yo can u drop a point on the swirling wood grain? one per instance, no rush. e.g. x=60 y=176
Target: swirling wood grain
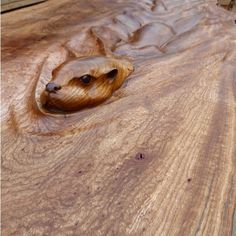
x=83 y=82
x=158 y=157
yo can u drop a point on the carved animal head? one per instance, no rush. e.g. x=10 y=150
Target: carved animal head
x=84 y=82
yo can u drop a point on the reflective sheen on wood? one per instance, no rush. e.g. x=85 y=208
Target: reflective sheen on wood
x=83 y=82
x=88 y=150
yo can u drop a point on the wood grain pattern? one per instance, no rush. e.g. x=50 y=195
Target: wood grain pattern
x=158 y=158
x=227 y=4
x=82 y=83
x=7 y=5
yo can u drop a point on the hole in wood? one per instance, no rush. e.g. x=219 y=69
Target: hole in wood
x=140 y=156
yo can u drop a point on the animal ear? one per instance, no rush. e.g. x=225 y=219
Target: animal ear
x=112 y=74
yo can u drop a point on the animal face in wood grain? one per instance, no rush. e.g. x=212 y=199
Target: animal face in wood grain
x=84 y=82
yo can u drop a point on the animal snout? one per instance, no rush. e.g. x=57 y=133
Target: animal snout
x=52 y=87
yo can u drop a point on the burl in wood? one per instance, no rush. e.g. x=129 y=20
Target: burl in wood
x=89 y=148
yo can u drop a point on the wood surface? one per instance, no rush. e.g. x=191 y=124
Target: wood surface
x=7 y=5
x=227 y=4
x=82 y=83
x=157 y=158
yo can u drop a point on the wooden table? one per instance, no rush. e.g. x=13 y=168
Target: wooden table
x=157 y=158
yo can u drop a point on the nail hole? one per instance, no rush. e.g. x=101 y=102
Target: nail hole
x=139 y=156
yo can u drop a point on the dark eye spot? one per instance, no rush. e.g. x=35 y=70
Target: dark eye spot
x=86 y=79
x=112 y=74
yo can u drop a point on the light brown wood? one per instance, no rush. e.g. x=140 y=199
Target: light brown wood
x=157 y=158
x=8 y=5
x=224 y=2
x=227 y=4
x=82 y=83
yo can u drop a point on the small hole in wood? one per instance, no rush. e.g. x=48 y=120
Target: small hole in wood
x=140 y=156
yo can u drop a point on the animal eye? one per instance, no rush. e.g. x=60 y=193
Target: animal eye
x=85 y=79
x=112 y=74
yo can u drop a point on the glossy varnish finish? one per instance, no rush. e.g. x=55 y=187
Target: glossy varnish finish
x=82 y=83
x=157 y=158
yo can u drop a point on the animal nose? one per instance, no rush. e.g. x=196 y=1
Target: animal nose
x=52 y=87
